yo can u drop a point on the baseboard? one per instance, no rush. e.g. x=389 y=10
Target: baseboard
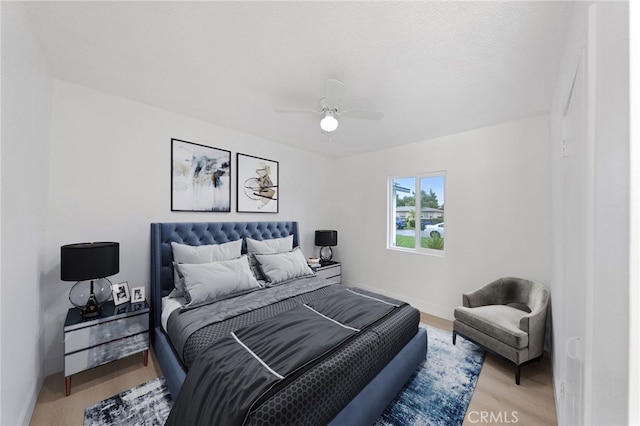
x=421 y=305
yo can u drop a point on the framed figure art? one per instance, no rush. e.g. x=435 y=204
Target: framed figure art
x=257 y=184
x=200 y=178
x=137 y=294
x=120 y=293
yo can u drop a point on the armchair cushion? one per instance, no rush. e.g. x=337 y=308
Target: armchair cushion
x=499 y=321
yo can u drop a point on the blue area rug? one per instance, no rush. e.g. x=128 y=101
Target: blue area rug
x=437 y=394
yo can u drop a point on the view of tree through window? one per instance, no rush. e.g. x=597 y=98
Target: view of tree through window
x=423 y=231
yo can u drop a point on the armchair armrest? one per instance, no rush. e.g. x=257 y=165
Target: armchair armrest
x=534 y=324
x=530 y=319
x=489 y=294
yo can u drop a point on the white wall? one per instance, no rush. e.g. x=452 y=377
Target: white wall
x=110 y=178
x=601 y=31
x=497 y=214
x=26 y=112
x=611 y=267
x=634 y=252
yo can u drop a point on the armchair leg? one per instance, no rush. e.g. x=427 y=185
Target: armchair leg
x=454 y=338
x=518 y=374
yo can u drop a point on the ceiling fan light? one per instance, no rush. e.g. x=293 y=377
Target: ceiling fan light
x=328 y=122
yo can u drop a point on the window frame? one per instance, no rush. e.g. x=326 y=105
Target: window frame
x=392 y=209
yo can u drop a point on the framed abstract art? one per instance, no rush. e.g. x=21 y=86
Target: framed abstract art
x=257 y=184
x=200 y=178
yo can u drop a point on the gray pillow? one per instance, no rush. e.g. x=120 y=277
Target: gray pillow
x=183 y=253
x=206 y=253
x=208 y=282
x=178 y=282
x=274 y=245
x=282 y=267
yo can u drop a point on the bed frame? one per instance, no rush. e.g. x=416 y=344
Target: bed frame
x=365 y=408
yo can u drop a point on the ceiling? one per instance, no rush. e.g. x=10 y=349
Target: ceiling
x=433 y=68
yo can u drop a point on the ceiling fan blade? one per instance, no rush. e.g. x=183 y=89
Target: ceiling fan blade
x=333 y=92
x=363 y=115
x=296 y=111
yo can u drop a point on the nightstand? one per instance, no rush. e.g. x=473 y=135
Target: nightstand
x=117 y=332
x=329 y=271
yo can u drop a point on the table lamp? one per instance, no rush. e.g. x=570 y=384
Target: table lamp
x=326 y=239
x=89 y=264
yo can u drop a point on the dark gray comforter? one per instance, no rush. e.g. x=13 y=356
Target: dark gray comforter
x=190 y=330
x=244 y=369
x=316 y=386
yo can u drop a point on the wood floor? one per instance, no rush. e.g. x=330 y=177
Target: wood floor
x=496 y=400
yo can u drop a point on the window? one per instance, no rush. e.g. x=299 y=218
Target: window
x=408 y=230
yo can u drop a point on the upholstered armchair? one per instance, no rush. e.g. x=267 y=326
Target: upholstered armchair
x=507 y=317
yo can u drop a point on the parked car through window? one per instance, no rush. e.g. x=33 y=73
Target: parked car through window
x=435 y=231
x=417 y=205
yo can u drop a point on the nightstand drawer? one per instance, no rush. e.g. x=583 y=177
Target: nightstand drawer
x=333 y=272
x=102 y=354
x=97 y=334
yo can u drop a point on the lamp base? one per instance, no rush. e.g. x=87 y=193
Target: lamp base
x=89 y=296
x=326 y=254
x=92 y=309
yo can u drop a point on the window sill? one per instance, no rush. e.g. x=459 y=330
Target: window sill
x=428 y=252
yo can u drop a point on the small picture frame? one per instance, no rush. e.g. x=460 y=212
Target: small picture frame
x=120 y=293
x=137 y=294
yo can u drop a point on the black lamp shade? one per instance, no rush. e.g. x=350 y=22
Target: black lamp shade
x=326 y=238
x=87 y=261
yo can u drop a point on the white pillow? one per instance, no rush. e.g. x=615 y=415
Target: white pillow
x=281 y=267
x=208 y=282
x=275 y=245
x=183 y=253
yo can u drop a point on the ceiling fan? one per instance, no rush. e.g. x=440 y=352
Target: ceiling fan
x=330 y=108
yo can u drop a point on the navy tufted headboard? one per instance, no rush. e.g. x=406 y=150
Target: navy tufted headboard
x=195 y=234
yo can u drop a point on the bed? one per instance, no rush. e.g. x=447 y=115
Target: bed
x=301 y=396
